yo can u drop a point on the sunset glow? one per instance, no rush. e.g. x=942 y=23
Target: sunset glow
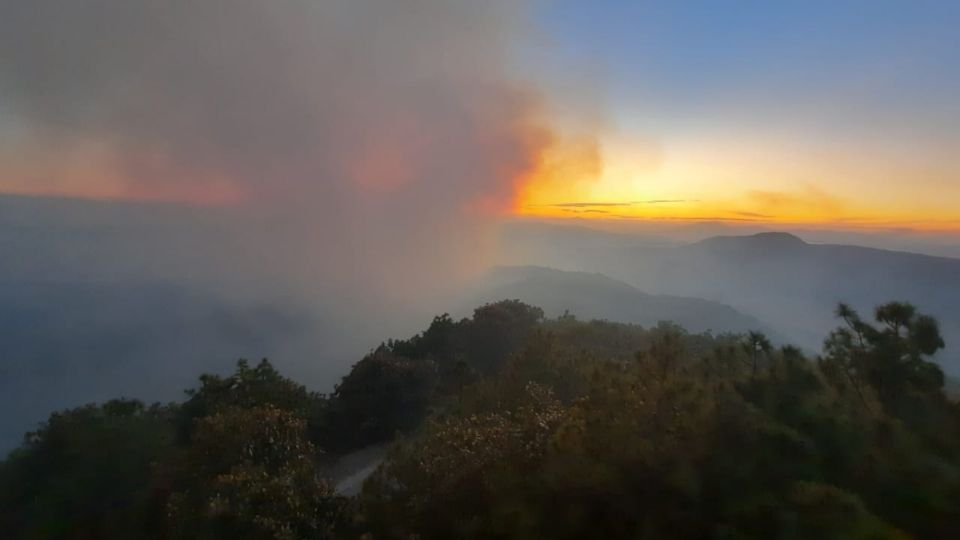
x=749 y=182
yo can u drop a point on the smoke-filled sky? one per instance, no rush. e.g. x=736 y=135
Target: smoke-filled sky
x=315 y=173
x=360 y=130
x=227 y=100
x=380 y=116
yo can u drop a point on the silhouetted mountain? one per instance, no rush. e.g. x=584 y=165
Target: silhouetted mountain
x=758 y=243
x=595 y=296
x=789 y=284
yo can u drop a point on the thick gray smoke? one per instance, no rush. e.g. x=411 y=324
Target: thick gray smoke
x=341 y=160
x=361 y=131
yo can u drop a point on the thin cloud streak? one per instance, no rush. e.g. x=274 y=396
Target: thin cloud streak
x=612 y=204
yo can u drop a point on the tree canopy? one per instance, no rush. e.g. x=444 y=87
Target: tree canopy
x=511 y=425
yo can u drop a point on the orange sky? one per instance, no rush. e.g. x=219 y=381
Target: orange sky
x=753 y=179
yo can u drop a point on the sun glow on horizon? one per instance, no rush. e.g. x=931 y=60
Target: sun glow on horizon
x=745 y=181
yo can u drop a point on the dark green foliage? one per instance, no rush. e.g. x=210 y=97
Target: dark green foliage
x=250 y=473
x=497 y=330
x=692 y=437
x=889 y=358
x=246 y=388
x=87 y=473
x=510 y=426
x=482 y=342
x=390 y=391
x=440 y=340
x=233 y=461
x=757 y=347
x=384 y=394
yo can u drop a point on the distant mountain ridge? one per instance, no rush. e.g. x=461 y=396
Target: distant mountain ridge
x=790 y=284
x=766 y=241
x=795 y=285
x=596 y=296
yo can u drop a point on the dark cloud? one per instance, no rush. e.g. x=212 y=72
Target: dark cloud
x=752 y=214
x=615 y=204
x=588 y=204
x=717 y=219
x=666 y=201
x=587 y=211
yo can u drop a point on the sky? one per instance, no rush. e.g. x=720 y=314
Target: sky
x=838 y=113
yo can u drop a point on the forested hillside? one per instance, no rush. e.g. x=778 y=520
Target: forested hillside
x=512 y=425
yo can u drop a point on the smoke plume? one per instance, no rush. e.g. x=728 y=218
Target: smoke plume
x=365 y=140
